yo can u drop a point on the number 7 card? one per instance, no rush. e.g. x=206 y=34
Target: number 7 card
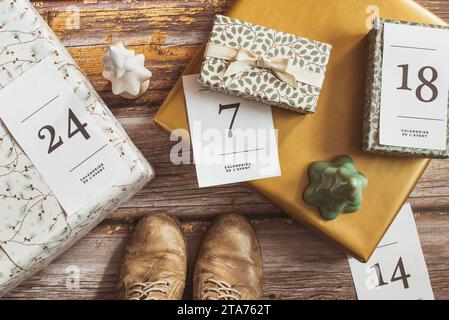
x=233 y=139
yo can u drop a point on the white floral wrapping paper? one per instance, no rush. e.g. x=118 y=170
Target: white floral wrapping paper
x=33 y=227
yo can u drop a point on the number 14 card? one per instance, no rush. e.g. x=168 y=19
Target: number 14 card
x=397 y=269
x=233 y=139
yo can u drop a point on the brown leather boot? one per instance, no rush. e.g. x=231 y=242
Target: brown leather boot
x=229 y=264
x=155 y=262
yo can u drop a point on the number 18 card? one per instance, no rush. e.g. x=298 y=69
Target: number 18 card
x=415 y=85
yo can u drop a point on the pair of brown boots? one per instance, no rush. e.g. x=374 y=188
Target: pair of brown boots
x=228 y=267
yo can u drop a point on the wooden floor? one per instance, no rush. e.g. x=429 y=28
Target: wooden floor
x=298 y=264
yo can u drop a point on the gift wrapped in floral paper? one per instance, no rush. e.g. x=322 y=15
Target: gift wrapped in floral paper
x=265 y=65
x=34 y=227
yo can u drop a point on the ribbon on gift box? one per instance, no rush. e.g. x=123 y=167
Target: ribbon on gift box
x=283 y=68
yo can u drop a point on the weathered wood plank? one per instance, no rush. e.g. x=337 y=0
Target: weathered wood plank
x=297 y=263
x=101 y=22
x=161 y=30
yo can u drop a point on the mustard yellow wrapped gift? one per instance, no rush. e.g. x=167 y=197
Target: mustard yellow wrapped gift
x=336 y=129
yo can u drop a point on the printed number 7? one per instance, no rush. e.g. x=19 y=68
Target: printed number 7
x=235 y=106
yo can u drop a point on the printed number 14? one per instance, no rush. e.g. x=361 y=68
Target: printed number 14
x=399 y=269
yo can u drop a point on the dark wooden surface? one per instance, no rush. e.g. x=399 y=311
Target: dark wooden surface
x=298 y=264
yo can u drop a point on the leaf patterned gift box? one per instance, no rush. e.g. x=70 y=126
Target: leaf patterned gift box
x=268 y=66
x=33 y=227
x=373 y=94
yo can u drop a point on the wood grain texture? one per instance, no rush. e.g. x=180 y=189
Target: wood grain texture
x=298 y=264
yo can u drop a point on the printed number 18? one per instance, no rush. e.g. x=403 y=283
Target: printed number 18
x=424 y=82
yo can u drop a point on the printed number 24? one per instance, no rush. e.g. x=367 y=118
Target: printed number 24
x=80 y=128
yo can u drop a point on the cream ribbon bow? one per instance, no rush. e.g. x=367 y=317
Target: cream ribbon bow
x=282 y=68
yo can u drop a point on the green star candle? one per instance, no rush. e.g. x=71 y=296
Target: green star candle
x=335 y=187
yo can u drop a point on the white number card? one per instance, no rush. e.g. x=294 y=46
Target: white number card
x=415 y=85
x=233 y=139
x=60 y=137
x=397 y=269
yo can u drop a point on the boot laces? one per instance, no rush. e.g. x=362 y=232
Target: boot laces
x=221 y=289
x=144 y=290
